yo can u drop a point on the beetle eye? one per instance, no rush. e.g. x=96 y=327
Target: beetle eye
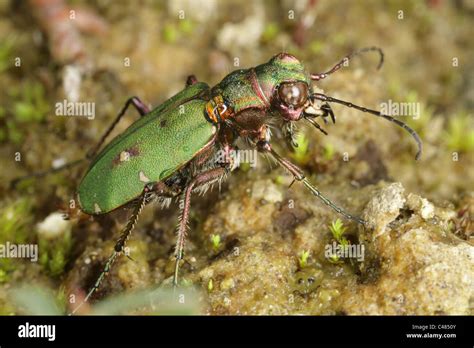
x=293 y=93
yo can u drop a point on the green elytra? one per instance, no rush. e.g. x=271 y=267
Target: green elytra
x=167 y=138
x=151 y=149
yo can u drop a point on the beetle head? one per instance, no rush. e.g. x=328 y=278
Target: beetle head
x=292 y=89
x=295 y=99
x=291 y=98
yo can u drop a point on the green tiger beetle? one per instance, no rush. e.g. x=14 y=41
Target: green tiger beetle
x=170 y=150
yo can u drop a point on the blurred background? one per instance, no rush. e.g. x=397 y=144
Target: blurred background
x=106 y=51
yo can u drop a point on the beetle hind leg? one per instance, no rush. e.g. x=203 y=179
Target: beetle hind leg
x=120 y=244
x=139 y=106
x=37 y=175
x=135 y=101
x=199 y=180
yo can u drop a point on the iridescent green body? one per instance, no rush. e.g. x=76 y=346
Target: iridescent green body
x=150 y=150
x=170 y=136
x=188 y=143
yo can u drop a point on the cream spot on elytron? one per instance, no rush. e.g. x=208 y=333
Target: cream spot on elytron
x=124 y=156
x=143 y=177
x=97 y=208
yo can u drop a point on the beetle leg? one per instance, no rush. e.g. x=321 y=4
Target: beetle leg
x=142 y=110
x=120 y=245
x=299 y=176
x=135 y=101
x=191 y=80
x=163 y=190
x=201 y=179
x=15 y=181
x=316 y=125
x=164 y=193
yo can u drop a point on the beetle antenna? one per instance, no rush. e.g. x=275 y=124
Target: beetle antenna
x=298 y=175
x=415 y=136
x=344 y=62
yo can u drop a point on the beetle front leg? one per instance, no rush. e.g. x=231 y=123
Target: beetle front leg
x=201 y=179
x=298 y=175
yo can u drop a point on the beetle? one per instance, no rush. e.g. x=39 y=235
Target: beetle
x=170 y=151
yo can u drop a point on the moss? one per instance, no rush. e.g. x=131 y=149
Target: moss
x=210 y=285
x=186 y=26
x=279 y=179
x=328 y=151
x=270 y=32
x=174 y=31
x=301 y=153
x=460 y=133
x=15 y=222
x=338 y=229
x=62 y=299
x=28 y=105
x=170 y=34
x=245 y=167
x=3 y=275
x=303 y=258
x=422 y=124
x=54 y=253
x=6 y=56
x=216 y=242
x=316 y=47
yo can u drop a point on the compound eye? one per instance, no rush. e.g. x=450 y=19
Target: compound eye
x=293 y=93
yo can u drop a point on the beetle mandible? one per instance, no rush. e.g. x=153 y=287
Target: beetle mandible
x=170 y=151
